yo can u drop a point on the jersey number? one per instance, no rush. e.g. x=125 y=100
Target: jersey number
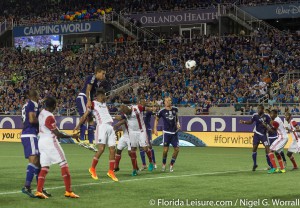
x=24 y=113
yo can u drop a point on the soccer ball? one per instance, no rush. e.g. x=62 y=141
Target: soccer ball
x=190 y=64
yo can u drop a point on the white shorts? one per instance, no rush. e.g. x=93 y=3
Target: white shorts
x=279 y=144
x=138 y=138
x=123 y=143
x=51 y=152
x=105 y=134
x=295 y=146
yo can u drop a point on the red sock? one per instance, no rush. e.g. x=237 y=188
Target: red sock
x=149 y=154
x=133 y=160
x=279 y=158
x=117 y=160
x=67 y=177
x=95 y=162
x=111 y=165
x=293 y=161
x=41 y=179
x=272 y=159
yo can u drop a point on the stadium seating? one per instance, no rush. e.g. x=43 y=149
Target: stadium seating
x=231 y=71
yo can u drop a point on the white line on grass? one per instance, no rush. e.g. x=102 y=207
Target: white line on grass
x=137 y=179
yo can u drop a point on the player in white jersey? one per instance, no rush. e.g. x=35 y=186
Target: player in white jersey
x=278 y=144
x=292 y=128
x=50 y=149
x=122 y=144
x=133 y=116
x=105 y=134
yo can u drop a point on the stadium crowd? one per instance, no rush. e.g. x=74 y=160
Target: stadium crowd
x=230 y=70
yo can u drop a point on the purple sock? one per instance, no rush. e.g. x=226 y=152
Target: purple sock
x=142 y=153
x=254 y=155
x=172 y=161
x=164 y=161
x=153 y=155
x=29 y=174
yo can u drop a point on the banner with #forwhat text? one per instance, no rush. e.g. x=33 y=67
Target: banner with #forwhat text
x=200 y=131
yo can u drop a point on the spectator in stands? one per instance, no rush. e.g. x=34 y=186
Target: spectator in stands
x=295 y=110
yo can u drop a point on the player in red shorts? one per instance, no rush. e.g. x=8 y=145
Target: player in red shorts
x=50 y=149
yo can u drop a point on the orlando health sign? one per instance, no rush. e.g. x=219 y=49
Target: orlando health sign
x=59 y=29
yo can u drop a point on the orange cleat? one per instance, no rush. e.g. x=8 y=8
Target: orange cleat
x=93 y=173
x=71 y=194
x=112 y=175
x=40 y=195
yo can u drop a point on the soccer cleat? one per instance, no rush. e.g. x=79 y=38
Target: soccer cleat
x=294 y=168
x=28 y=191
x=277 y=170
x=171 y=168
x=82 y=144
x=112 y=175
x=71 y=194
x=40 y=195
x=92 y=147
x=155 y=166
x=282 y=171
x=144 y=167
x=150 y=167
x=93 y=173
x=116 y=169
x=46 y=193
x=163 y=168
x=271 y=171
x=134 y=173
x=254 y=167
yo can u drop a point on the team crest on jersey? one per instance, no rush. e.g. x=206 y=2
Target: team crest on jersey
x=170 y=116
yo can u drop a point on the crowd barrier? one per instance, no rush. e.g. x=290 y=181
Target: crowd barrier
x=200 y=131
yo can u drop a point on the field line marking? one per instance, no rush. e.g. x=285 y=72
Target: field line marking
x=136 y=179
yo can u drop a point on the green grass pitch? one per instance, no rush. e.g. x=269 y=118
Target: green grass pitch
x=200 y=174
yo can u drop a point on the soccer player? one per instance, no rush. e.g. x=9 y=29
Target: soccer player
x=122 y=144
x=272 y=136
x=170 y=131
x=278 y=144
x=84 y=100
x=294 y=147
x=50 y=149
x=105 y=134
x=147 y=121
x=260 y=133
x=29 y=139
x=133 y=115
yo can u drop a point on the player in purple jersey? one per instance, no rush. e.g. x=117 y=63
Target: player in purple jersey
x=147 y=121
x=84 y=100
x=260 y=133
x=170 y=131
x=29 y=140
